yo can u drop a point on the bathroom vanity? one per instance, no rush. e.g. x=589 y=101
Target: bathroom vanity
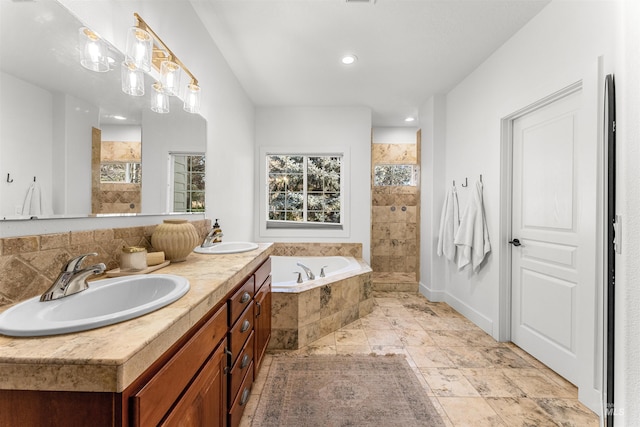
x=191 y=363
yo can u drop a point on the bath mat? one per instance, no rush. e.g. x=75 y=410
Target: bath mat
x=341 y=391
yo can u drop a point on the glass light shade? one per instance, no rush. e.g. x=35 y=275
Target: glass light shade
x=170 y=77
x=132 y=79
x=192 y=98
x=139 y=48
x=93 y=51
x=159 y=99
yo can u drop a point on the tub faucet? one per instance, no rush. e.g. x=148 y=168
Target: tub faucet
x=307 y=270
x=211 y=237
x=72 y=279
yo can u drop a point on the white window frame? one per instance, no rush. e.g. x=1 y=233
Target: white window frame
x=286 y=229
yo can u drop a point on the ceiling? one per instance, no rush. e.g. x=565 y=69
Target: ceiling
x=287 y=52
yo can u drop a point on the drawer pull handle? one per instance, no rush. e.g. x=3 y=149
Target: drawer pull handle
x=229 y=358
x=245 y=396
x=245 y=326
x=259 y=309
x=245 y=297
x=245 y=361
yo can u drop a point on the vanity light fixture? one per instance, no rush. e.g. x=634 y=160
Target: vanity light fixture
x=93 y=51
x=349 y=59
x=163 y=60
x=159 y=99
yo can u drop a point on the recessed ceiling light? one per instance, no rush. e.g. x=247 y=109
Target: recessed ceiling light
x=410 y=119
x=349 y=59
x=119 y=117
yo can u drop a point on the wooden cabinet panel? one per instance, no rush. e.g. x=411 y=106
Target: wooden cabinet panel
x=262 y=273
x=205 y=401
x=240 y=332
x=240 y=300
x=262 y=323
x=153 y=401
x=240 y=368
x=237 y=408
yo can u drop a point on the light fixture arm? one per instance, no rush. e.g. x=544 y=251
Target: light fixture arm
x=140 y=23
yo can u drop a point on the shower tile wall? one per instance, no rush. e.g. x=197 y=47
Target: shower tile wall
x=395 y=249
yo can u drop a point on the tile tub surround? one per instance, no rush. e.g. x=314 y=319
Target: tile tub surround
x=318 y=249
x=30 y=264
x=298 y=318
x=108 y=359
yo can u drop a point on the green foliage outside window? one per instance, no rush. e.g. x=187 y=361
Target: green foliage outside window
x=304 y=188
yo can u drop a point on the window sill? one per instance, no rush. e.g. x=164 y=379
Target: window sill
x=282 y=225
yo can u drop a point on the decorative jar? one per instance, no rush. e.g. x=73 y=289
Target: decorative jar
x=176 y=238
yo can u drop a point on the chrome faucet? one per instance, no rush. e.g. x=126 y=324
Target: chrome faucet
x=211 y=237
x=72 y=279
x=307 y=270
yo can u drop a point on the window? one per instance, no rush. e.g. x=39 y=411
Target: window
x=304 y=189
x=406 y=175
x=188 y=182
x=122 y=173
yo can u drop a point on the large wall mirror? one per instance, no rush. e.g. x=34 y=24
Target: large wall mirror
x=50 y=108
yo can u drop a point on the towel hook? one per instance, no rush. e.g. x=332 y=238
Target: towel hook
x=466 y=184
x=480 y=177
x=9 y=180
x=34 y=179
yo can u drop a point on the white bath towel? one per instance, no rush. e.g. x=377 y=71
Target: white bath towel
x=32 y=205
x=449 y=222
x=472 y=238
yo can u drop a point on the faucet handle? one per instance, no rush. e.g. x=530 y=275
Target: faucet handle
x=299 y=273
x=74 y=264
x=322 y=270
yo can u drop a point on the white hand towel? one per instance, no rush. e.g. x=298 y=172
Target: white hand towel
x=449 y=221
x=32 y=205
x=472 y=238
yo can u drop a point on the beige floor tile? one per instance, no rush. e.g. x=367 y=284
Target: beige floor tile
x=351 y=337
x=536 y=384
x=448 y=382
x=449 y=338
x=520 y=412
x=383 y=337
x=471 y=379
x=470 y=412
x=429 y=357
x=569 y=412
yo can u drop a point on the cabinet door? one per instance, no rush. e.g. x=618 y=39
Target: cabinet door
x=263 y=323
x=205 y=401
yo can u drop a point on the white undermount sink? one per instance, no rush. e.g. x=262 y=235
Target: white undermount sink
x=106 y=302
x=227 y=248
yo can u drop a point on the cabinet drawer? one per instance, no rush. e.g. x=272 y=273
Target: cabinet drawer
x=152 y=402
x=241 y=368
x=240 y=300
x=237 y=408
x=262 y=273
x=240 y=332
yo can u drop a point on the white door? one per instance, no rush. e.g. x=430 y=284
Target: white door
x=555 y=259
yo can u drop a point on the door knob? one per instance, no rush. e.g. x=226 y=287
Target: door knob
x=515 y=242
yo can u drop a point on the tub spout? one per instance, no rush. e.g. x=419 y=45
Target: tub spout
x=307 y=270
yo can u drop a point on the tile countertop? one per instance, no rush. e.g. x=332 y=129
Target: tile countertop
x=108 y=359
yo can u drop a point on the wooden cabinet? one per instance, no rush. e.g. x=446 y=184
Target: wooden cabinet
x=204 y=379
x=204 y=403
x=262 y=324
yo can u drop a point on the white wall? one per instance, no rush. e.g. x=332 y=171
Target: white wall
x=559 y=46
x=627 y=360
x=394 y=135
x=345 y=128
x=20 y=138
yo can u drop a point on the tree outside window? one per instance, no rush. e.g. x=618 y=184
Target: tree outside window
x=304 y=188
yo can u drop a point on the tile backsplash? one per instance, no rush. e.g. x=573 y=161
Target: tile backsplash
x=30 y=264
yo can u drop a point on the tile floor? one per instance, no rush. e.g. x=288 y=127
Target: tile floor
x=472 y=379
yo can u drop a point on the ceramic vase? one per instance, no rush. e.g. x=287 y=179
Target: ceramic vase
x=176 y=238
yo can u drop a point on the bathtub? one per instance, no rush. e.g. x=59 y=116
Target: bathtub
x=284 y=270
x=304 y=312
